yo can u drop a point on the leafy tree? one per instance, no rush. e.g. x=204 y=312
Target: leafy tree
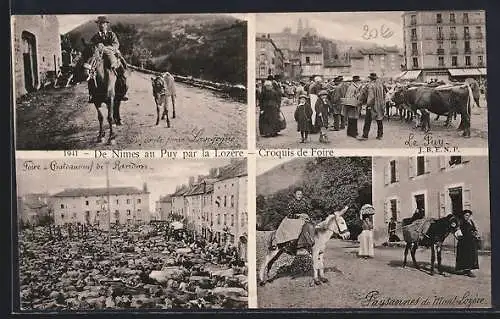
x=329 y=184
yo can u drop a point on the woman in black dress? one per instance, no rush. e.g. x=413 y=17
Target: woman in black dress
x=467 y=246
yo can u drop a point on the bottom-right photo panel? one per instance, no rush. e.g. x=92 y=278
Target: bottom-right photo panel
x=381 y=232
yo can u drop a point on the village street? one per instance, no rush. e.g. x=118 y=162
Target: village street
x=396 y=132
x=357 y=283
x=61 y=119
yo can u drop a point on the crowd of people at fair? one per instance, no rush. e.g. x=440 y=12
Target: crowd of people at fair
x=79 y=267
x=328 y=105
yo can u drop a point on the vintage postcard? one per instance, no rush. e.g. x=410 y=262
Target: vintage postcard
x=397 y=79
x=136 y=81
x=387 y=232
x=144 y=234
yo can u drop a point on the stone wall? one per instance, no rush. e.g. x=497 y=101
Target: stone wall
x=45 y=30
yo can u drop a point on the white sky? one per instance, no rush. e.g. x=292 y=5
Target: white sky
x=162 y=176
x=337 y=25
x=68 y=22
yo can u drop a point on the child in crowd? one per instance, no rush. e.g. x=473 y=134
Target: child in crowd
x=302 y=116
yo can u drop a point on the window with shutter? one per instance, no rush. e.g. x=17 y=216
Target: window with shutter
x=442 y=204
x=397 y=170
x=398 y=210
x=386 y=175
x=427 y=166
x=467 y=198
x=387 y=214
x=411 y=169
x=442 y=162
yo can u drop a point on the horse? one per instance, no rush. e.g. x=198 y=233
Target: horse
x=333 y=224
x=434 y=237
x=163 y=87
x=105 y=85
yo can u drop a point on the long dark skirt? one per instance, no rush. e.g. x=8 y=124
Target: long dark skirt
x=269 y=121
x=467 y=254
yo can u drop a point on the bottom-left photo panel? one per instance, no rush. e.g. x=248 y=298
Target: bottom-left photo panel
x=131 y=234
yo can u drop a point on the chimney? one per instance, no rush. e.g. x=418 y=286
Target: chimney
x=145 y=188
x=212 y=172
x=191 y=181
x=217 y=172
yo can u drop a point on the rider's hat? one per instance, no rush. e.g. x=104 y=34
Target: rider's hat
x=102 y=19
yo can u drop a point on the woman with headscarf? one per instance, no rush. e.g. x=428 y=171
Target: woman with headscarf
x=269 y=100
x=468 y=245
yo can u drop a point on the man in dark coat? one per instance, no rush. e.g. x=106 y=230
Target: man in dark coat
x=109 y=40
x=375 y=104
x=337 y=108
x=467 y=246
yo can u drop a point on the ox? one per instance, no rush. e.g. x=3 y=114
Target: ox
x=442 y=100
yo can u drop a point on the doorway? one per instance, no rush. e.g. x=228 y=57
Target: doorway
x=456 y=198
x=420 y=202
x=30 y=63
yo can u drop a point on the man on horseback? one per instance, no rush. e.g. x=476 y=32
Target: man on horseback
x=109 y=41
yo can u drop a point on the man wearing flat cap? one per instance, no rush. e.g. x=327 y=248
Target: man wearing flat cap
x=109 y=40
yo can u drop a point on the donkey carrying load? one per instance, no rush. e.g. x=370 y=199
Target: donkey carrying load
x=429 y=232
x=333 y=224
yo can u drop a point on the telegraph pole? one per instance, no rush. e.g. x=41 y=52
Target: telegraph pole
x=109 y=207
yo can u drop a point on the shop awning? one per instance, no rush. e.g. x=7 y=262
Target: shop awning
x=411 y=75
x=400 y=74
x=466 y=72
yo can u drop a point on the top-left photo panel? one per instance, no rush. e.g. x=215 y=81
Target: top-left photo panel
x=130 y=81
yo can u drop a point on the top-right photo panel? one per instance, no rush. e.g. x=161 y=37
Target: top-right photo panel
x=394 y=79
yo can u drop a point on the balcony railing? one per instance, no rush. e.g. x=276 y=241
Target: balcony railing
x=479 y=35
x=440 y=51
x=414 y=37
x=414 y=52
x=481 y=64
x=453 y=36
x=479 y=50
x=467 y=50
x=453 y=51
x=440 y=36
x=466 y=36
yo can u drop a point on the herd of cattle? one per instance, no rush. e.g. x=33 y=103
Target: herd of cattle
x=418 y=100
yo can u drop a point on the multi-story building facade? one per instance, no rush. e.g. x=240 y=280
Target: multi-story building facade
x=269 y=58
x=164 y=207
x=445 y=44
x=33 y=208
x=128 y=205
x=386 y=62
x=229 y=202
x=216 y=206
x=178 y=208
x=440 y=185
x=36 y=51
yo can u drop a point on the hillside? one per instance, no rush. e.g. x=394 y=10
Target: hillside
x=207 y=46
x=152 y=23
x=281 y=177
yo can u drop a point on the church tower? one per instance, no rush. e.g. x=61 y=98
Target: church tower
x=300 y=28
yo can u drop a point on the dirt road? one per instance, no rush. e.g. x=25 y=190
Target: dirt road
x=357 y=283
x=61 y=119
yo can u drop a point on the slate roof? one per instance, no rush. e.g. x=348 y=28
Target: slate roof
x=102 y=191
